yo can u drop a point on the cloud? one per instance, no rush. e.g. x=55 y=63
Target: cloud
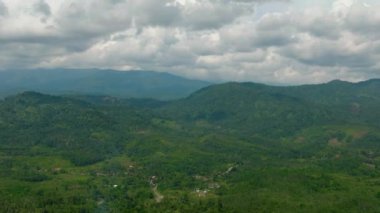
x=3 y=9
x=262 y=1
x=347 y=51
x=207 y=14
x=43 y=8
x=206 y=39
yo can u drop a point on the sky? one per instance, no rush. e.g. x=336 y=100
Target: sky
x=269 y=41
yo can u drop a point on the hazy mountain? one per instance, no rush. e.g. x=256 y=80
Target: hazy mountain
x=137 y=84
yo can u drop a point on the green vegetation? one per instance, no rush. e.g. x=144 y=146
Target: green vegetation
x=226 y=148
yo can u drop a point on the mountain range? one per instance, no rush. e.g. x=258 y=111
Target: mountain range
x=231 y=147
x=123 y=84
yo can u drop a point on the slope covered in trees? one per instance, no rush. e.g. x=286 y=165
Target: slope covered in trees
x=235 y=147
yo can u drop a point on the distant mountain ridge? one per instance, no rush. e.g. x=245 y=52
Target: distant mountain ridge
x=122 y=84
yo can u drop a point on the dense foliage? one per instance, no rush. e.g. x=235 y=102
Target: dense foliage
x=226 y=148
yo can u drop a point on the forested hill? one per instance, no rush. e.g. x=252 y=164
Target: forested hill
x=234 y=147
x=251 y=107
x=137 y=84
x=334 y=92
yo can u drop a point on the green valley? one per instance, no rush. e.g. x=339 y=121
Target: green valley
x=233 y=147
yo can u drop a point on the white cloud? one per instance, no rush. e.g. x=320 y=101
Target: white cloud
x=208 y=39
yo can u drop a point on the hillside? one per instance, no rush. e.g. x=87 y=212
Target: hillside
x=73 y=129
x=234 y=147
x=131 y=84
x=249 y=108
x=279 y=111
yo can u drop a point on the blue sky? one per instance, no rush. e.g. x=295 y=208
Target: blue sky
x=281 y=42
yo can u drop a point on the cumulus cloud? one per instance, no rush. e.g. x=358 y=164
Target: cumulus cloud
x=206 y=39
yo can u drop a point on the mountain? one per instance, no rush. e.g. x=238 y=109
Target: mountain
x=274 y=111
x=131 y=84
x=233 y=147
x=337 y=92
x=248 y=108
x=74 y=129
